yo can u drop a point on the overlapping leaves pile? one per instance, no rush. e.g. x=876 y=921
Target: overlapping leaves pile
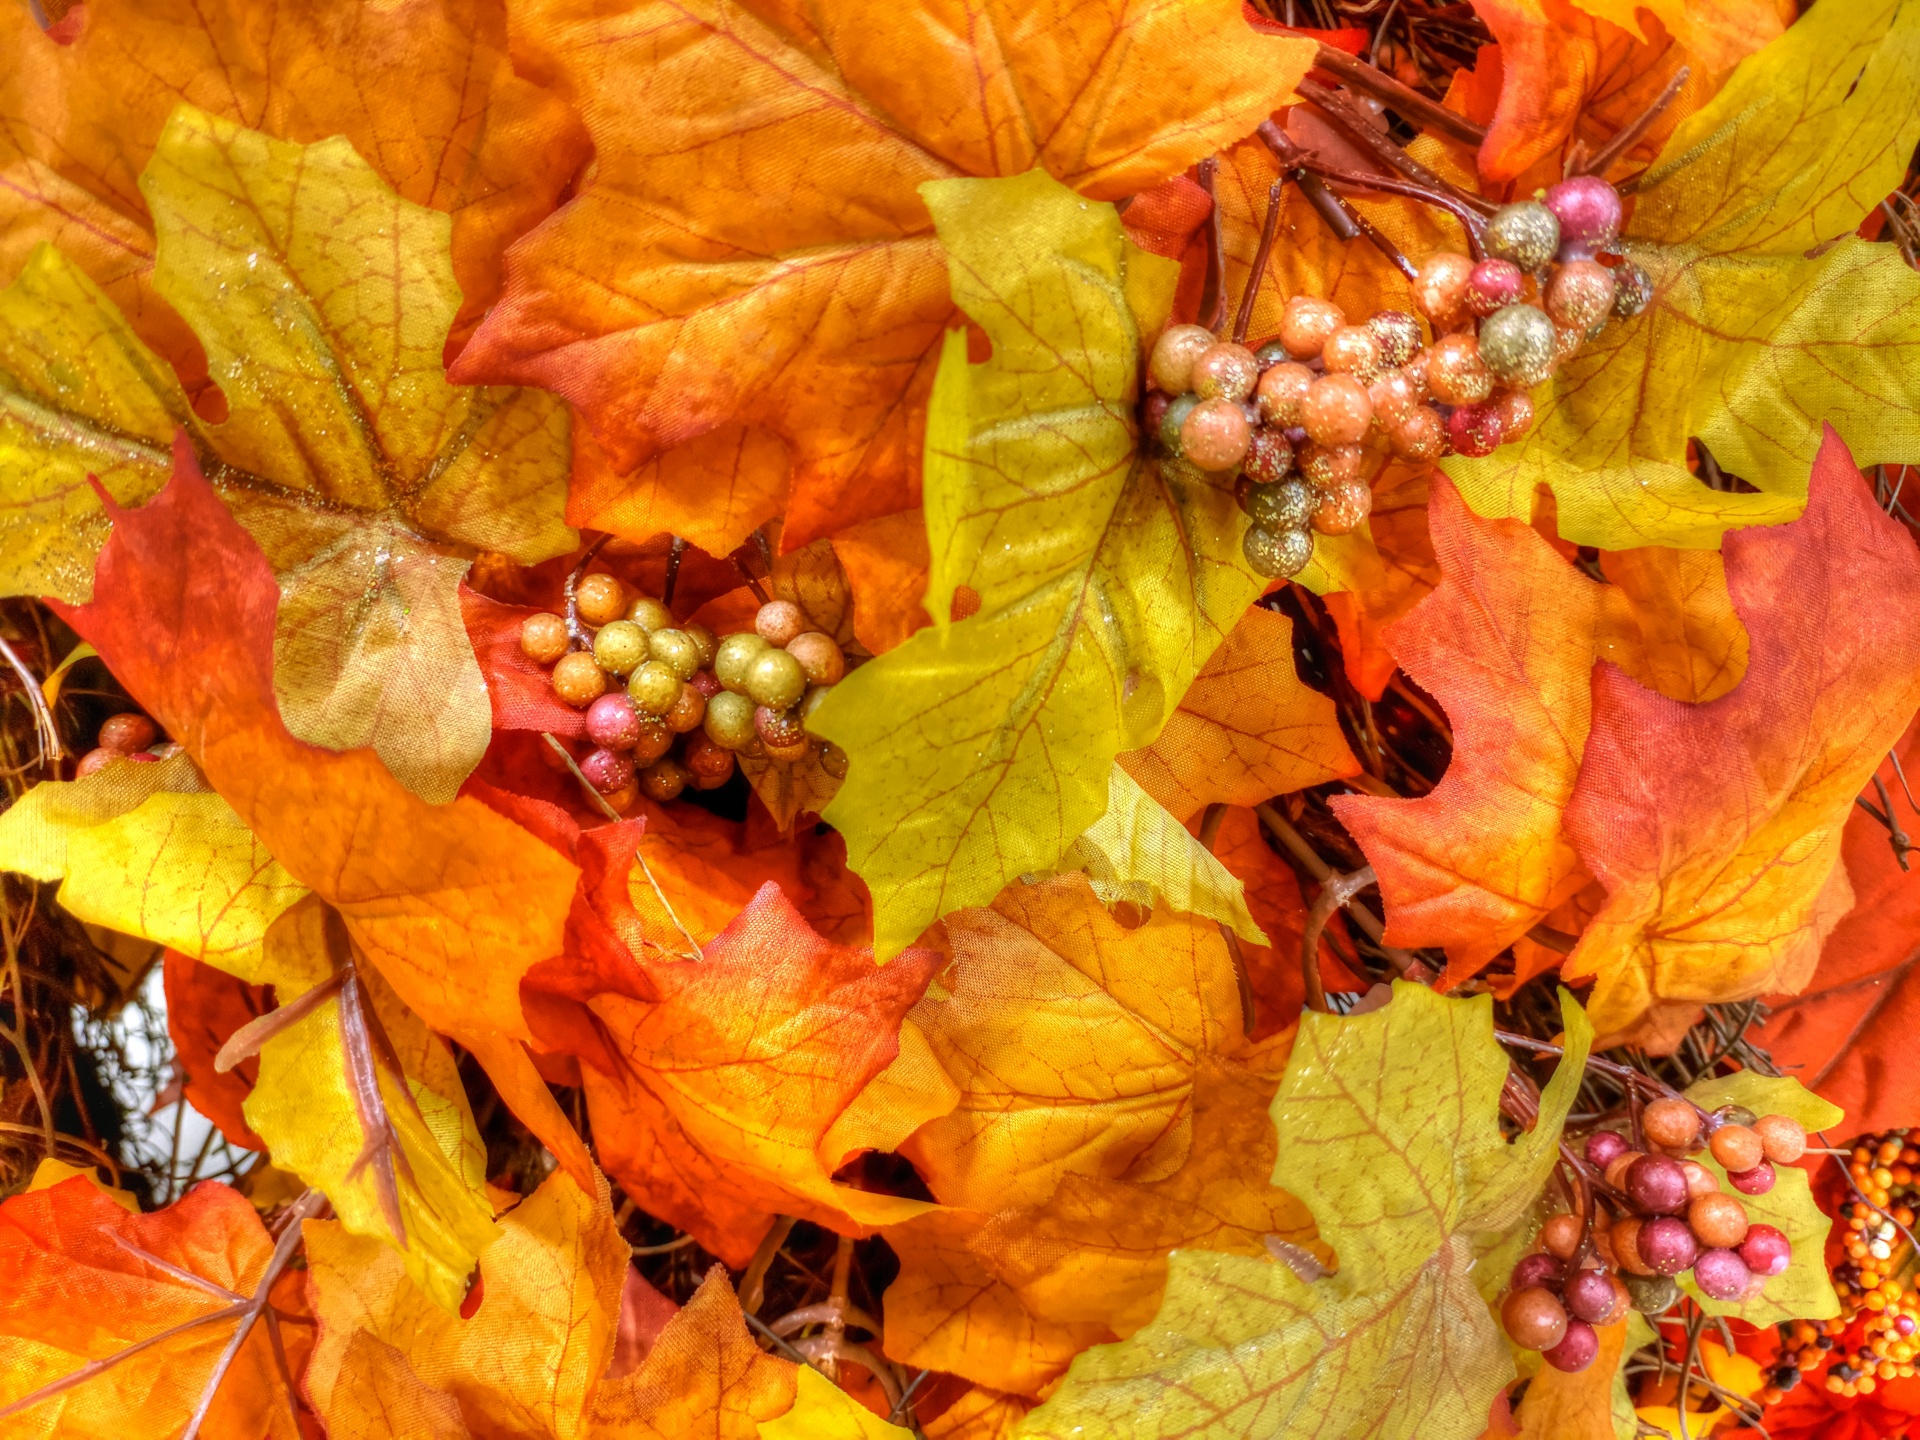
x=323 y=336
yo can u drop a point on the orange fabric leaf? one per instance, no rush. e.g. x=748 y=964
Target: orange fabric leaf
x=730 y=1082
x=205 y=1006
x=753 y=220
x=980 y=1414
x=422 y=88
x=73 y=1288
x=1716 y=828
x=1407 y=573
x=1247 y=728
x=887 y=563
x=456 y=912
x=713 y=491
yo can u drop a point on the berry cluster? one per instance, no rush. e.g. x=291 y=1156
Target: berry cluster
x=1876 y=1336
x=129 y=736
x=670 y=705
x=1292 y=416
x=1668 y=1216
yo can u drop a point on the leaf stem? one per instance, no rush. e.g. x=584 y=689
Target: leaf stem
x=577 y=634
x=1602 y=159
x=1258 y=272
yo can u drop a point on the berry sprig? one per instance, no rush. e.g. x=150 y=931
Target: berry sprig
x=1655 y=1214
x=1292 y=417
x=127 y=736
x=671 y=705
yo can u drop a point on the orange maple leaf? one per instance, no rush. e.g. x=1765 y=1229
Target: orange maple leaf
x=751 y=249
x=454 y=903
x=422 y=88
x=135 y=1314
x=205 y=1006
x=1716 y=828
x=728 y=1084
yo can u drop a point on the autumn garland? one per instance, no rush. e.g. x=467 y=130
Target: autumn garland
x=501 y=927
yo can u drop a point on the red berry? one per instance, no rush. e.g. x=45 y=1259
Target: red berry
x=1575 y=1350
x=127 y=733
x=1591 y=1296
x=1269 y=456
x=1604 y=1147
x=613 y=723
x=1721 y=1275
x=607 y=771
x=1475 y=429
x=1536 y=1271
x=1766 y=1251
x=1757 y=1181
x=1667 y=1245
x=1658 y=1185
x=1493 y=284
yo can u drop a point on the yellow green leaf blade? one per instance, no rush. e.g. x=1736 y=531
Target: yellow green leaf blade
x=823 y=1411
x=1137 y=851
x=323 y=299
x=1767 y=318
x=303 y=1105
x=1804 y=1290
x=1388 y=1128
x=80 y=395
x=979 y=749
x=149 y=850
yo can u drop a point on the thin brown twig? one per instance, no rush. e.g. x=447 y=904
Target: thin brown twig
x=1213 y=286
x=1412 y=105
x=1353 y=124
x=1334 y=893
x=1259 y=268
x=1602 y=159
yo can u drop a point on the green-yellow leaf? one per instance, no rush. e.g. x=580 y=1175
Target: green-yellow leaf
x=980 y=748
x=823 y=1411
x=303 y=1106
x=150 y=850
x=1803 y=1291
x=1768 y=317
x=1138 y=852
x=1388 y=1129
x=323 y=300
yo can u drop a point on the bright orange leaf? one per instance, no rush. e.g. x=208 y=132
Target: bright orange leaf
x=204 y=1007
x=1716 y=828
x=452 y=902
x=751 y=248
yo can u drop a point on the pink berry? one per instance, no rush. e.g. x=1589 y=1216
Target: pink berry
x=1476 y=429
x=1492 y=285
x=1537 y=1269
x=1658 y=1185
x=1906 y=1325
x=1591 y=1297
x=1604 y=1146
x=1766 y=1251
x=608 y=771
x=1588 y=209
x=1721 y=1275
x=1576 y=1351
x=1667 y=1245
x=613 y=723
x=1757 y=1181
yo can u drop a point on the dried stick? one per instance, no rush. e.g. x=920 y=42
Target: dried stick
x=1602 y=159
x=1213 y=288
x=753 y=1282
x=1411 y=104
x=1337 y=891
x=1255 y=275
x=1349 y=120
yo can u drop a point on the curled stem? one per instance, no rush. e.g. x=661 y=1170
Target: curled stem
x=577 y=635
x=1334 y=893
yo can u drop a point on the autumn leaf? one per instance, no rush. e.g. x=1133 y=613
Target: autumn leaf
x=751 y=247
x=732 y=1079
x=1138 y=853
x=183 y=615
x=1716 y=828
x=526 y=1363
x=423 y=88
x=365 y=1104
x=1073 y=1042
x=886 y=563
x=1507 y=645
x=151 y=850
x=1388 y=1130
x=136 y=1311
x=823 y=1411
x=712 y=491
x=1406 y=573
x=1247 y=728
x=1580 y=1405
x=1804 y=1290
x=323 y=301
x=980 y=750
x=980 y=1414
x=1767 y=317
x=205 y=1007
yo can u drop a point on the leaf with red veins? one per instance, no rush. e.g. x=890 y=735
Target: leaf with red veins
x=454 y=903
x=750 y=247
x=732 y=1079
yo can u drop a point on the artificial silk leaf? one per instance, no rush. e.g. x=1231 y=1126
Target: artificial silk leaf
x=423 y=88
x=1138 y=853
x=1847 y=1035
x=704 y=1379
x=1388 y=1130
x=753 y=221
x=1804 y=1290
x=1074 y=1044
x=82 y=1280
x=980 y=750
x=1096 y=1251
x=205 y=1007
x=731 y=1080
x=1406 y=573
x=388 y=1401
x=948 y=1310
x=1578 y=1406
x=333 y=1112
x=1716 y=828
x=886 y=562
x=454 y=917
x=712 y=491
x=980 y=1414
x=1247 y=728
x=823 y=1411
x=150 y=850
x=1767 y=318
x=527 y=1362
x=1737 y=1374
